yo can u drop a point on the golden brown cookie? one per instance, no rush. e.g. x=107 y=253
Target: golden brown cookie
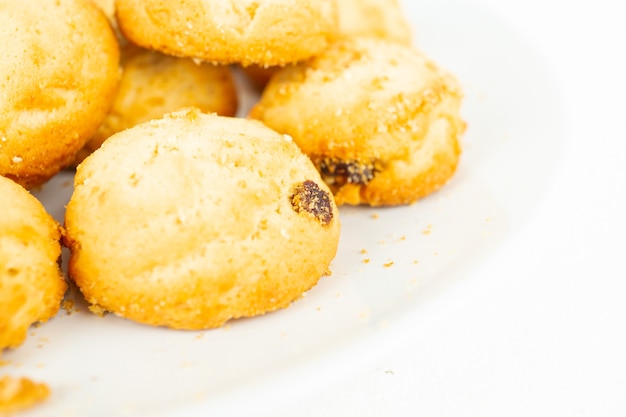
x=380 y=120
x=19 y=394
x=382 y=19
x=31 y=282
x=58 y=75
x=194 y=219
x=263 y=32
x=153 y=84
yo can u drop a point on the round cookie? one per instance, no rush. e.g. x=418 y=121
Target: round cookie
x=385 y=125
x=153 y=84
x=194 y=219
x=58 y=77
x=31 y=281
x=262 y=32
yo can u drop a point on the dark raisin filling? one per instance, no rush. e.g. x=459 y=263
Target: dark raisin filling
x=308 y=197
x=340 y=172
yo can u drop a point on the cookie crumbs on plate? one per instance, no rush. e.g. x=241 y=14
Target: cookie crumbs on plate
x=18 y=394
x=375 y=216
x=366 y=260
x=363 y=251
x=388 y=264
x=97 y=310
x=328 y=272
x=427 y=230
x=68 y=306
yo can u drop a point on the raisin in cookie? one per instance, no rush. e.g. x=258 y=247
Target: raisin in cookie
x=58 y=75
x=380 y=120
x=263 y=32
x=31 y=283
x=153 y=84
x=194 y=219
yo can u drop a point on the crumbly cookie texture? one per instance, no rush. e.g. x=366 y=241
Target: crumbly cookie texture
x=31 y=282
x=263 y=32
x=380 y=120
x=20 y=394
x=383 y=19
x=194 y=219
x=153 y=84
x=58 y=77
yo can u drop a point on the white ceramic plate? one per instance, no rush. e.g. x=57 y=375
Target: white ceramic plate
x=390 y=261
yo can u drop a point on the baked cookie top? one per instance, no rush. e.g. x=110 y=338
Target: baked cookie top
x=366 y=107
x=58 y=76
x=194 y=219
x=262 y=32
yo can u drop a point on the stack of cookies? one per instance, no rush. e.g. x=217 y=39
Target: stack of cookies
x=184 y=215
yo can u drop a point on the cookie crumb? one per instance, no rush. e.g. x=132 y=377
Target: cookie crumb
x=68 y=306
x=97 y=310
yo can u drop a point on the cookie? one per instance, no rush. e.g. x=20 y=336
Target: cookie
x=194 y=219
x=20 y=394
x=382 y=19
x=58 y=77
x=380 y=120
x=31 y=282
x=153 y=84
x=262 y=32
